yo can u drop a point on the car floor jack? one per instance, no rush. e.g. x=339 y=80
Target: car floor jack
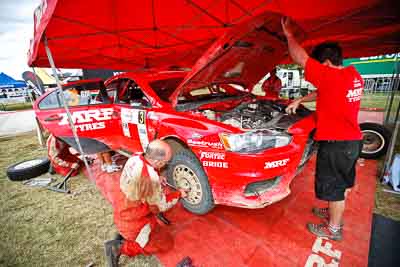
x=62 y=187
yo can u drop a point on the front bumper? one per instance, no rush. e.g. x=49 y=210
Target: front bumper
x=253 y=181
x=259 y=199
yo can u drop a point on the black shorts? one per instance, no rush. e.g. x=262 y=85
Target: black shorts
x=336 y=168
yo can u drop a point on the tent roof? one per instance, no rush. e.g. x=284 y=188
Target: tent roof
x=7 y=81
x=129 y=35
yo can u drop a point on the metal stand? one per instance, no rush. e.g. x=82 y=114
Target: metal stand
x=62 y=187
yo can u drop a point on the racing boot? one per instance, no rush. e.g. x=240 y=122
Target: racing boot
x=112 y=250
x=185 y=262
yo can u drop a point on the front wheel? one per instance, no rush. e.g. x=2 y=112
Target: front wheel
x=185 y=171
x=376 y=140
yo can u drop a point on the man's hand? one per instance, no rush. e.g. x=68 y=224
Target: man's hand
x=163 y=180
x=296 y=52
x=291 y=109
x=183 y=192
x=287 y=27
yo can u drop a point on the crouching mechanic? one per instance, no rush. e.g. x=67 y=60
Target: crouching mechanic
x=338 y=96
x=62 y=160
x=141 y=199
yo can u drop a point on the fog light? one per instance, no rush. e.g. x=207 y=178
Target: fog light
x=260 y=187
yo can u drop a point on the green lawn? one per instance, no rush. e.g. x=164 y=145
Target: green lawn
x=44 y=228
x=15 y=106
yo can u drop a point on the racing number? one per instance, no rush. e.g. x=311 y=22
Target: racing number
x=141 y=119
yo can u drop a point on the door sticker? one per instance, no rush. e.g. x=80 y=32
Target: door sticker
x=135 y=118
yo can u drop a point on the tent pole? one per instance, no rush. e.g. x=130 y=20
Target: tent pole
x=71 y=124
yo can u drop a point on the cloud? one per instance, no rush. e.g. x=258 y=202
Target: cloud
x=16 y=29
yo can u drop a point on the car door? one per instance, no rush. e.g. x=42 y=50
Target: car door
x=132 y=106
x=91 y=113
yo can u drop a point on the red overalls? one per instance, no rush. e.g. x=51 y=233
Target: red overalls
x=136 y=221
x=61 y=158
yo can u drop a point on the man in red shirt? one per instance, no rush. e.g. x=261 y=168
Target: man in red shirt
x=338 y=96
x=272 y=86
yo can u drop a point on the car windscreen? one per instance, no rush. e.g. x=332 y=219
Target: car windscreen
x=164 y=88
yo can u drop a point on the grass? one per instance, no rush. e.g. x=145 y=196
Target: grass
x=16 y=106
x=44 y=228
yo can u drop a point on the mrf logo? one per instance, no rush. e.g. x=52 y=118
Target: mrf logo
x=87 y=120
x=354 y=95
x=275 y=164
x=322 y=251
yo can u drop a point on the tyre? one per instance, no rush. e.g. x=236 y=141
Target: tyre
x=376 y=140
x=185 y=171
x=28 y=169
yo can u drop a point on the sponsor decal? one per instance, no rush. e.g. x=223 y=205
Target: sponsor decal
x=216 y=164
x=321 y=250
x=125 y=129
x=196 y=136
x=213 y=156
x=354 y=95
x=88 y=120
x=276 y=163
x=198 y=143
x=90 y=126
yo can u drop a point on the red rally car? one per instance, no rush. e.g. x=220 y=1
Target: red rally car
x=230 y=146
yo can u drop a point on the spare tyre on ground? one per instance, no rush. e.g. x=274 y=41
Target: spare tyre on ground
x=376 y=140
x=28 y=169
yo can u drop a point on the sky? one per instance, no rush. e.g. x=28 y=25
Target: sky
x=16 y=29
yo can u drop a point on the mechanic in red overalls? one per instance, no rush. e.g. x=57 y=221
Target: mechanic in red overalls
x=338 y=96
x=273 y=85
x=141 y=199
x=61 y=158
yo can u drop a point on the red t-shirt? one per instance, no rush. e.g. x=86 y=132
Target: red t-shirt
x=339 y=94
x=272 y=86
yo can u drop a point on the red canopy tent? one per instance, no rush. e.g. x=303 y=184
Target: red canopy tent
x=127 y=35
x=130 y=35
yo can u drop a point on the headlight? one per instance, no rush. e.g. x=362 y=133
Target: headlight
x=254 y=141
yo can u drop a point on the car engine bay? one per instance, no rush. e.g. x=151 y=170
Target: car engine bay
x=258 y=114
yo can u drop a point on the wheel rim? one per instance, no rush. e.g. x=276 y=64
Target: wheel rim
x=187 y=179
x=28 y=164
x=373 y=142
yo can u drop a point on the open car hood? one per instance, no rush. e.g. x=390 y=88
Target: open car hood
x=241 y=56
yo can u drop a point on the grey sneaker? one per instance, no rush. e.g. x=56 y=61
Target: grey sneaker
x=322 y=230
x=112 y=250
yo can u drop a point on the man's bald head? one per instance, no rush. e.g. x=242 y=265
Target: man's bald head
x=158 y=152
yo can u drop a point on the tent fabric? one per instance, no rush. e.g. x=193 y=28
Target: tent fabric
x=7 y=81
x=129 y=35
